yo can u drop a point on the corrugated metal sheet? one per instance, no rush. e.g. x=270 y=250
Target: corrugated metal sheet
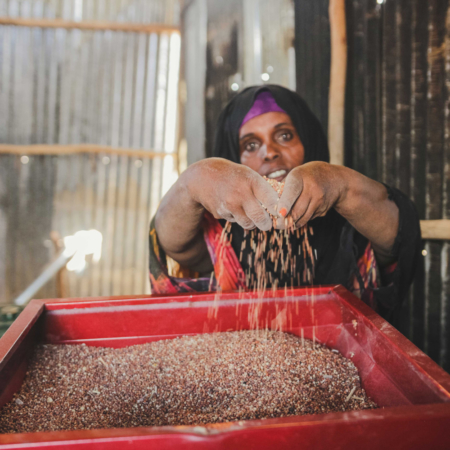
x=398 y=132
x=112 y=88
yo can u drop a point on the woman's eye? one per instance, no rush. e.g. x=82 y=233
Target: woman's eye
x=285 y=136
x=251 y=146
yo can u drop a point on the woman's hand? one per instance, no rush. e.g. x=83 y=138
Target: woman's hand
x=310 y=191
x=227 y=190
x=232 y=192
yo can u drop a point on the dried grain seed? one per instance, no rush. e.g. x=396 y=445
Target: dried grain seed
x=192 y=380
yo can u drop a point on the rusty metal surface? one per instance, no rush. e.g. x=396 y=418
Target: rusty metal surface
x=397 y=131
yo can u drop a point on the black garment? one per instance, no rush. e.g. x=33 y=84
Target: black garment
x=339 y=247
x=337 y=243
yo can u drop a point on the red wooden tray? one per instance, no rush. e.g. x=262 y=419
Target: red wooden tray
x=414 y=391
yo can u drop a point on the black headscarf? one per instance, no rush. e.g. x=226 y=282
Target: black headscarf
x=310 y=132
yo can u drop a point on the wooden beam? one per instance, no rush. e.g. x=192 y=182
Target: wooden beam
x=435 y=229
x=44 y=149
x=338 y=73
x=93 y=25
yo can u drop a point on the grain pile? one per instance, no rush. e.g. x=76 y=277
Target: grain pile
x=201 y=379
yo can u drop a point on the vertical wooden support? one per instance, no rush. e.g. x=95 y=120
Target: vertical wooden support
x=336 y=105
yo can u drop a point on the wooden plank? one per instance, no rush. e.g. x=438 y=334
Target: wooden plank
x=91 y=25
x=66 y=149
x=338 y=71
x=435 y=229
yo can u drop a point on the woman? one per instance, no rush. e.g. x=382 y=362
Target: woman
x=365 y=235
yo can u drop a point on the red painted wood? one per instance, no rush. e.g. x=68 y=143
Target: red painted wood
x=415 y=391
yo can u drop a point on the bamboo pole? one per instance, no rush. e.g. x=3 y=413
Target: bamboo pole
x=435 y=229
x=44 y=149
x=93 y=25
x=338 y=72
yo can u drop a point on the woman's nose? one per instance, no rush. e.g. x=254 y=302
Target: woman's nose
x=270 y=152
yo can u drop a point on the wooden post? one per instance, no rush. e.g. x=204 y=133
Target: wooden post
x=336 y=104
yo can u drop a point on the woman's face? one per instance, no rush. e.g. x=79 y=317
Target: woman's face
x=269 y=144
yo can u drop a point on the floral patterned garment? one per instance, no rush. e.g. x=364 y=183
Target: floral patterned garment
x=167 y=276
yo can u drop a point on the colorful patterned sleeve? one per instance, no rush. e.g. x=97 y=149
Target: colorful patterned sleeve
x=369 y=277
x=167 y=276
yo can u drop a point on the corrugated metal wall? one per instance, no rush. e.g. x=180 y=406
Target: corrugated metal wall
x=111 y=88
x=399 y=132
x=397 y=125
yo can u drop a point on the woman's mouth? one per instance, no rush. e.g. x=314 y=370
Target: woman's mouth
x=277 y=175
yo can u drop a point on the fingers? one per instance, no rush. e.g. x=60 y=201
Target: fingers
x=258 y=215
x=244 y=221
x=265 y=194
x=237 y=214
x=307 y=215
x=293 y=187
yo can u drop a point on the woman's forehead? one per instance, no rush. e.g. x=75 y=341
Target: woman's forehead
x=264 y=122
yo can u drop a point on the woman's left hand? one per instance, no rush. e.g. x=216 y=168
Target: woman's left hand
x=310 y=190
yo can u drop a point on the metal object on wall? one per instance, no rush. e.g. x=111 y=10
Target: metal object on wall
x=110 y=88
x=249 y=42
x=312 y=54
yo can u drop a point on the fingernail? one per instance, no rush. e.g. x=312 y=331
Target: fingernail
x=283 y=212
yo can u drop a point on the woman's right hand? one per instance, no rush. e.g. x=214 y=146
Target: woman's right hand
x=232 y=192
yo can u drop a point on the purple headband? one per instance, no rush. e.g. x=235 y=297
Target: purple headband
x=264 y=103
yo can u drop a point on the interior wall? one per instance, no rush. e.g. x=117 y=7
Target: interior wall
x=71 y=86
x=397 y=127
x=249 y=42
x=398 y=131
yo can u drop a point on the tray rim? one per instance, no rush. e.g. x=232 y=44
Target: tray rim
x=36 y=308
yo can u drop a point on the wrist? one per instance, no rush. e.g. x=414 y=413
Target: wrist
x=342 y=182
x=188 y=185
